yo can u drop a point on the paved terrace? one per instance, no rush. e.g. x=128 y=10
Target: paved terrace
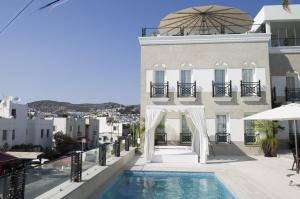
x=247 y=177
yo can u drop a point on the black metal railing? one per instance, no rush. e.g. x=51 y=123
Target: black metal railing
x=186 y=89
x=222 y=89
x=161 y=139
x=250 y=137
x=250 y=89
x=197 y=30
x=159 y=90
x=289 y=41
x=186 y=138
x=223 y=137
x=292 y=94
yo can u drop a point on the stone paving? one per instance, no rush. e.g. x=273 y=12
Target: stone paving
x=254 y=177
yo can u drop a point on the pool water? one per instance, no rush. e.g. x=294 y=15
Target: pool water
x=166 y=185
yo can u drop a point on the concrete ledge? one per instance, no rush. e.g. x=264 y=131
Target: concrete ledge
x=93 y=179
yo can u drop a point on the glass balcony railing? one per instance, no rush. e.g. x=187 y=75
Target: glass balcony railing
x=42 y=178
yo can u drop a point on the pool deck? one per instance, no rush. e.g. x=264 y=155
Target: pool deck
x=246 y=177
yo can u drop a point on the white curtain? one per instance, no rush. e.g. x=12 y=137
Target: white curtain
x=153 y=117
x=200 y=140
x=196 y=122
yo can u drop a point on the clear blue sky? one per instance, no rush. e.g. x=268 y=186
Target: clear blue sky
x=83 y=50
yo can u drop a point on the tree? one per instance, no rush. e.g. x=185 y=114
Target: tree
x=267 y=131
x=64 y=143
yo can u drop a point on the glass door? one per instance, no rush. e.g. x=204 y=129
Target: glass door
x=186 y=78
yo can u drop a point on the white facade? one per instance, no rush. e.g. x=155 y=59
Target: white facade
x=109 y=130
x=79 y=129
x=16 y=128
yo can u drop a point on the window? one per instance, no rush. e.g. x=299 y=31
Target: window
x=48 y=133
x=13 y=135
x=186 y=76
x=14 y=113
x=220 y=76
x=221 y=124
x=249 y=137
x=71 y=129
x=115 y=128
x=184 y=125
x=291 y=82
x=159 y=77
x=54 y=128
x=78 y=128
x=4 y=135
x=247 y=75
x=42 y=133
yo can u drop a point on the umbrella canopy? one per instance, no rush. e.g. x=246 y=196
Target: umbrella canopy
x=286 y=112
x=206 y=20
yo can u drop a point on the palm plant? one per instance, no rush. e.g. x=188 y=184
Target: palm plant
x=267 y=131
x=285 y=4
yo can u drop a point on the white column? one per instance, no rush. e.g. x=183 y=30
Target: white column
x=268 y=30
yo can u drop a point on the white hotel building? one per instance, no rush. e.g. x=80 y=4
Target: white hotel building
x=16 y=128
x=228 y=74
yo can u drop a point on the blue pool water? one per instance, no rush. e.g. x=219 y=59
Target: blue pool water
x=166 y=185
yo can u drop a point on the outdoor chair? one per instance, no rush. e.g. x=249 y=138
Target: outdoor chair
x=296 y=159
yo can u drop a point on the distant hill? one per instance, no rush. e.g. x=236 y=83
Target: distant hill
x=63 y=107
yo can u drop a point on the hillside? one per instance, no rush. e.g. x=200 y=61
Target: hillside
x=59 y=107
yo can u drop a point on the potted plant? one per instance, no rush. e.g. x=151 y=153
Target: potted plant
x=268 y=141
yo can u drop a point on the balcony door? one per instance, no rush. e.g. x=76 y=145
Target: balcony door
x=248 y=75
x=221 y=124
x=159 y=80
x=186 y=79
x=219 y=82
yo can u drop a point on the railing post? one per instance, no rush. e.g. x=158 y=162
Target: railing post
x=286 y=94
x=151 y=94
x=17 y=184
x=76 y=167
x=213 y=89
x=117 y=148
x=195 y=89
x=167 y=89
x=127 y=143
x=242 y=93
x=143 y=32
x=230 y=88
x=177 y=89
x=259 y=89
x=102 y=154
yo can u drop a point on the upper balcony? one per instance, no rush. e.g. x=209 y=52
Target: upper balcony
x=250 y=91
x=186 y=90
x=204 y=20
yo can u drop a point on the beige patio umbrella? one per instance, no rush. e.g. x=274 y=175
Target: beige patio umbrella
x=206 y=20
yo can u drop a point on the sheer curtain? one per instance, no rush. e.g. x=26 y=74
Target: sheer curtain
x=153 y=117
x=247 y=75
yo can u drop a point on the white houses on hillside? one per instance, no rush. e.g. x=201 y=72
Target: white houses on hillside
x=16 y=128
x=81 y=129
x=109 y=130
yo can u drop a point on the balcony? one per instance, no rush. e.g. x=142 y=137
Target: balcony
x=223 y=137
x=186 y=91
x=222 y=91
x=161 y=139
x=159 y=91
x=289 y=41
x=250 y=91
x=292 y=94
x=250 y=138
x=185 y=138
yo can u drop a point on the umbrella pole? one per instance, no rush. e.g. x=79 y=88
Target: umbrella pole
x=296 y=146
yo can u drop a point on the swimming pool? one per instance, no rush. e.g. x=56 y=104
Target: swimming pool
x=167 y=185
